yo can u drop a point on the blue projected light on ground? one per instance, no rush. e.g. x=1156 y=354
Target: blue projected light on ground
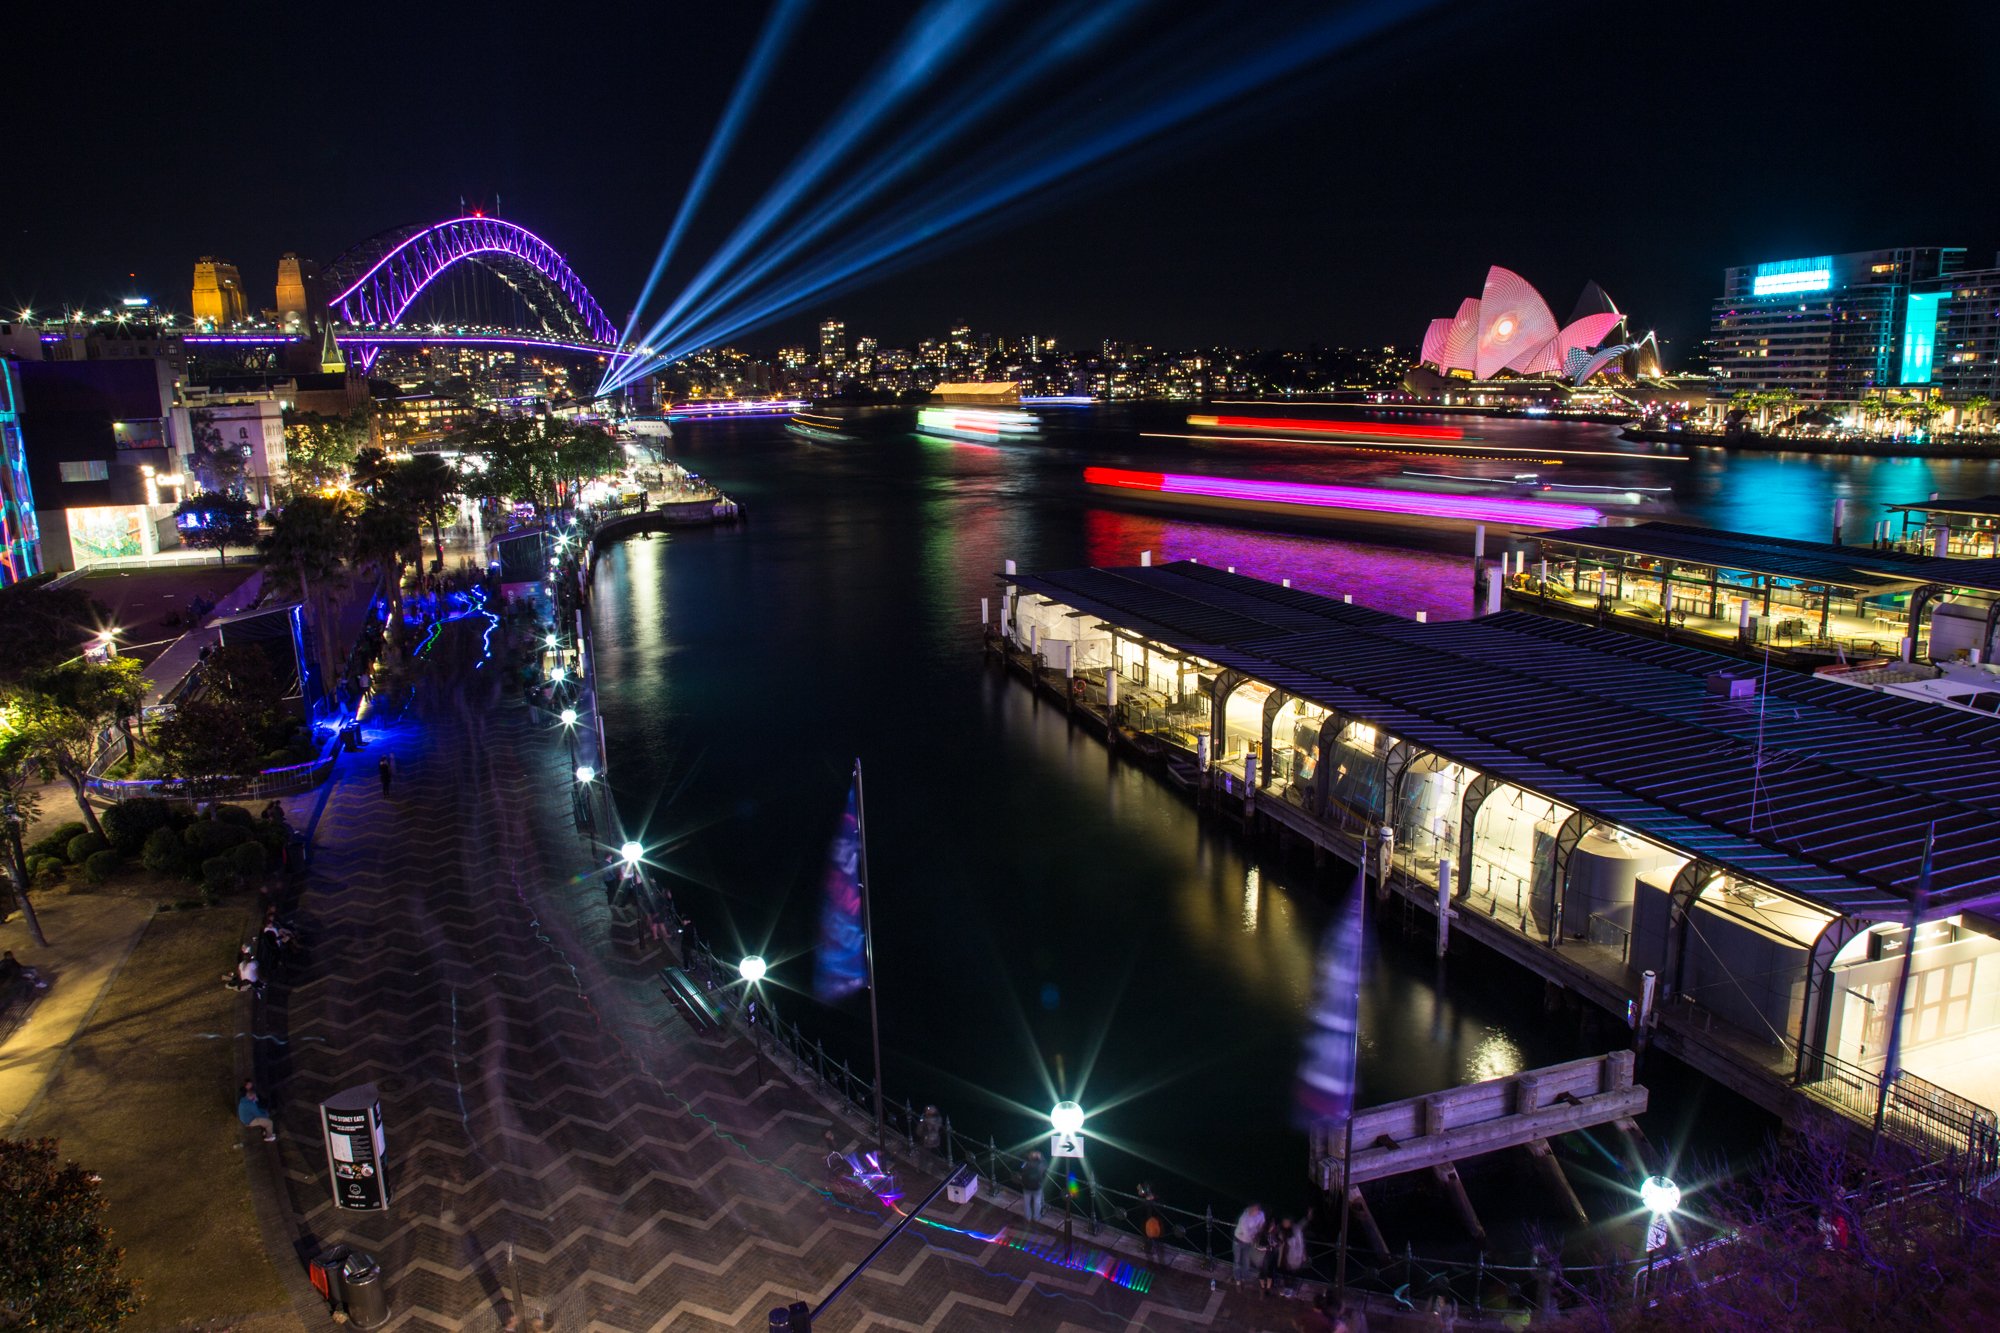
x=1920 y=325
x=1791 y=277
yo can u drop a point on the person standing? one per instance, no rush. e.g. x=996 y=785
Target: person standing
x=1249 y=1236
x=1033 y=1173
x=1292 y=1252
x=1152 y=1225
x=386 y=770
x=1270 y=1246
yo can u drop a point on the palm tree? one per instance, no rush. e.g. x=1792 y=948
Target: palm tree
x=383 y=532
x=311 y=539
x=1975 y=408
x=429 y=488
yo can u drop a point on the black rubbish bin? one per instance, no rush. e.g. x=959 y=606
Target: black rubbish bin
x=326 y=1278
x=350 y=735
x=367 y=1301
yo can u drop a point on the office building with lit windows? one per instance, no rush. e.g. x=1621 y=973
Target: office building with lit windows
x=832 y=343
x=1830 y=327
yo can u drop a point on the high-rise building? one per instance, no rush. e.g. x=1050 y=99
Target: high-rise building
x=299 y=301
x=864 y=355
x=1827 y=327
x=20 y=535
x=832 y=342
x=218 y=293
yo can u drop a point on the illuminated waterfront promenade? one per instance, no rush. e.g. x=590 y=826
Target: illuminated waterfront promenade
x=1734 y=860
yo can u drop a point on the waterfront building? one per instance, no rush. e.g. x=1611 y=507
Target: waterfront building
x=20 y=532
x=217 y=300
x=1951 y=339
x=98 y=449
x=832 y=344
x=1828 y=328
x=1738 y=861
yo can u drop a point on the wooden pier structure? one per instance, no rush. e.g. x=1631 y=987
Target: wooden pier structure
x=1437 y=1131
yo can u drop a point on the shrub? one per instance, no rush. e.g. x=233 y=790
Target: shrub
x=83 y=846
x=249 y=859
x=129 y=823
x=100 y=867
x=56 y=842
x=218 y=876
x=236 y=814
x=210 y=837
x=164 y=853
x=45 y=870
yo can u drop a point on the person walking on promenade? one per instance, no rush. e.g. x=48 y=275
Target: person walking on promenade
x=1270 y=1247
x=1152 y=1225
x=1033 y=1173
x=250 y=1109
x=1291 y=1252
x=386 y=769
x=1249 y=1236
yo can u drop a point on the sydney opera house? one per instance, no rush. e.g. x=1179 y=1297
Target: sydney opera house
x=1508 y=328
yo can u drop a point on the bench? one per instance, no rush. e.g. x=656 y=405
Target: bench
x=702 y=1013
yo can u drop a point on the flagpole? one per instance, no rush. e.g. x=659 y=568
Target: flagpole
x=868 y=945
x=1354 y=1090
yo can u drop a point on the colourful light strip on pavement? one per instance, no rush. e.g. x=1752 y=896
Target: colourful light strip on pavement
x=1366 y=499
x=1395 y=430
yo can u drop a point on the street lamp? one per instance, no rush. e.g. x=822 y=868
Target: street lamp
x=1066 y=1118
x=1660 y=1195
x=569 y=717
x=585 y=773
x=752 y=970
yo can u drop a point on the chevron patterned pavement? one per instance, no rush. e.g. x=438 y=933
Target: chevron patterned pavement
x=553 y=1127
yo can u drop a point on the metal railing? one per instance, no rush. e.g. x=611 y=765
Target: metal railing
x=1915 y=1112
x=271 y=782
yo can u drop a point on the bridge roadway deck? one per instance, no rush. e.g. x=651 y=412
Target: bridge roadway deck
x=542 y=1100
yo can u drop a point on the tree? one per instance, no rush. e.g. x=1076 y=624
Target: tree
x=19 y=804
x=58 y=1267
x=45 y=625
x=429 y=488
x=1976 y=407
x=208 y=736
x=61 y=712
x=310 y=539
x=383 y=532
x=371 y=468
x=215 y=522
x=219 y=467
x=319 y=449
x=242 y=674
x=536 y=459
x=584 y=453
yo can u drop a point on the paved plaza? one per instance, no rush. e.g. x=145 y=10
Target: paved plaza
x=556 y=1133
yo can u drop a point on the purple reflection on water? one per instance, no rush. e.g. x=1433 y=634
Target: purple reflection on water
x=1383 y=577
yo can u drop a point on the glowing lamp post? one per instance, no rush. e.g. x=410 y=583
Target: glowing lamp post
x=585 y=774
x=1661 y=1197
x=752 y=971
x=1066 y=1119
x=568 y=718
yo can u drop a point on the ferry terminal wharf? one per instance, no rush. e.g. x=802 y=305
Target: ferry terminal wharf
x=1730 y=859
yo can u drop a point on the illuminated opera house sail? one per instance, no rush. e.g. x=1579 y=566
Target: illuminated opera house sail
x=1508 y=327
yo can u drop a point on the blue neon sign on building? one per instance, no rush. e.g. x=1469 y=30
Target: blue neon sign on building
x=1792 y=277
x=20 y=537
x=1920 y=322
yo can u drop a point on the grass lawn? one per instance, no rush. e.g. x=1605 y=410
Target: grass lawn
x=147 y=1100
x=140 y=599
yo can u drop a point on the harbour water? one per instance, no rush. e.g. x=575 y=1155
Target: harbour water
x=1049 y=921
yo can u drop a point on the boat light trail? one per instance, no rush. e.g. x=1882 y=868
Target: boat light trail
x=1159 y=89
x=931 y=41
x=1395 y=430
x=1497 y=453
x=1362 y=499
x=777 y=31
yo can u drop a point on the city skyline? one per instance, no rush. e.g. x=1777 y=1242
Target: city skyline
x=1342 y=210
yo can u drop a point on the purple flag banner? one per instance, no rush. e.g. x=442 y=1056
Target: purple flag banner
x=1327 y=1076
x=840 y=966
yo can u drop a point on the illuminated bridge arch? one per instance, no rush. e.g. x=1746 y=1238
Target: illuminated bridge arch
x=377 y=282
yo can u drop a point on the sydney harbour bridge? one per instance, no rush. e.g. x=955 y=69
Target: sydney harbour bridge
x=472 y=281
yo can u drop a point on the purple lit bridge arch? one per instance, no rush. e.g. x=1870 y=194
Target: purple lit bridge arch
x=377 y=282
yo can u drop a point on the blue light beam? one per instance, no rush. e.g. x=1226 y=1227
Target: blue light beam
x=931 y=41
x=1033 y=167
x=777 y=32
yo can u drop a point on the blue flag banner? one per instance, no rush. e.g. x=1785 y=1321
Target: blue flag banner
x=840 y=967
x=1327 y=1076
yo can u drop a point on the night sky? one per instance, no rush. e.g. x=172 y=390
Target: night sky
x=1645 y=146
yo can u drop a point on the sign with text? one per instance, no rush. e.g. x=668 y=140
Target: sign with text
x=355 y=1148
x=1065 y=1145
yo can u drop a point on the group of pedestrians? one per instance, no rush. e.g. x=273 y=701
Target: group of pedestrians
x=1268 y=1249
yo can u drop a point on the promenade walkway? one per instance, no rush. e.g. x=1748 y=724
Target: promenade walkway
x=553 y=1128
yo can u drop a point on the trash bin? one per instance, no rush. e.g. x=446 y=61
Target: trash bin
x=325 y=1274
x=350 y=736
x=367 y=1301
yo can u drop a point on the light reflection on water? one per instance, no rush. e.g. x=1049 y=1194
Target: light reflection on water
x=1041 y=906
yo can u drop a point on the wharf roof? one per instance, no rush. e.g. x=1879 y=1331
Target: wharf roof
x=1985 y=506
x=1822 y=789
x=1858 y=567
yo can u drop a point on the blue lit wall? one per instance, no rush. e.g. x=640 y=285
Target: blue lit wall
x=20 y=538
x=1920 y=323
x=1790 y=277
